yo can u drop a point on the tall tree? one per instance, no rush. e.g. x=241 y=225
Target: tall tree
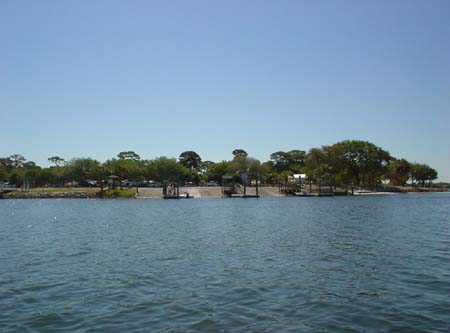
x=215 y=171
x=280 y=160
x=164 y=168
x=30 y=165
x=296 y=158
x=358 y=161
x=239 y=153
x=56 y=160
x=399 y=171
x=3 y=174
x=17 y=160
x=190 y=159
x=128 y=155
x=422 y=173
x=293 y=160
x=318 y=161
x=81 y=168
x=6 y=163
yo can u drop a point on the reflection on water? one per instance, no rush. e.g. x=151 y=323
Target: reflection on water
x=350 y=264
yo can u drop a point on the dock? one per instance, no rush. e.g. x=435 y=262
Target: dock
x=297 y=191
x=186 y=196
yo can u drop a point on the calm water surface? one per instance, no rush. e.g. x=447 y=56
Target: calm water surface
x=350 y=264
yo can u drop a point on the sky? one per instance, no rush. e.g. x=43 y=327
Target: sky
x=94 y=78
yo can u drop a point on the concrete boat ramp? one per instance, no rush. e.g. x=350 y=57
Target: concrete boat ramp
x=205 y=192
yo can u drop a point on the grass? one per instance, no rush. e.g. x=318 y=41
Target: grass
x=65 y=192
x=118 y=193
x=113 y=193
x=65 y=189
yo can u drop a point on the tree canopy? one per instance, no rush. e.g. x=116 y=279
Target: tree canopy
x=190 y=159
x=347 y=162
x=239 y=153
x=128 y=155
x=56 y=160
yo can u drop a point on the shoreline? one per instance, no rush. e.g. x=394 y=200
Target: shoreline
x=156 y=193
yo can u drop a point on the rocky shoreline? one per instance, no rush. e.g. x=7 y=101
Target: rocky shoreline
x=155 y=193
x=49 y=195
x=70 y=194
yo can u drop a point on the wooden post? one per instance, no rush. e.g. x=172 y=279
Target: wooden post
x=318 y=185
x=257 y=181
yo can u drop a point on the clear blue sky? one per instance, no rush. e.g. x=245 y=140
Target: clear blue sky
x=93 y=78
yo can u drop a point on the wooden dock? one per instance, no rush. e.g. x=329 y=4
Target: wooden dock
x=243 y=196
x=178 y=196
x=298 y=191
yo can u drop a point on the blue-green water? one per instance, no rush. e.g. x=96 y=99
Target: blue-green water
x=350 y=264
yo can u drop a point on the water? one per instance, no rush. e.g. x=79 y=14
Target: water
x=350 y=264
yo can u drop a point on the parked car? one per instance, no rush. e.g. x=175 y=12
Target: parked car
x=212 y=183
x=152 y=183
x=88 y=183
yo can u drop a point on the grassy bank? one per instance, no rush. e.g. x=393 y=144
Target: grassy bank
x=118 y=193
x=64 y=189
x=77 y=192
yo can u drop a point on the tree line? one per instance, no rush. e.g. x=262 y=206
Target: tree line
x=346 y=162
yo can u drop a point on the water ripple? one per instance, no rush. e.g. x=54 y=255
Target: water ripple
x=270 y=265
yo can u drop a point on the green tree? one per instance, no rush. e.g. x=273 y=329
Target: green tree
x=190 y=159
x=59 y=175
x=30 y=172
x=239 y=153
x=399 y=171
x=100 y=173
x=358 y=161
x=6 y=163
x=238 y=165
x=280 y=161
x=164 y=168
x=293 y=160
x=422 y=173
x=128 y=155
x=204 y=166
x=17 y=160
x=3 y=174
x=216 y=170
x=44 y=177
x=120 y=168
x=80 y=169
x=56 y=160
x=296 y=159
x=268 y=174
x=317 y=160
x=29 y=165
x=16 y=176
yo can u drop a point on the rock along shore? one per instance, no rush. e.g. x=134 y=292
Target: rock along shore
x=48 y=195
x=156 y=193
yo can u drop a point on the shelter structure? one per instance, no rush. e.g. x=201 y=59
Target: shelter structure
x=171 y=190
x=228 y=186
x=231 y=190
x=113 y=181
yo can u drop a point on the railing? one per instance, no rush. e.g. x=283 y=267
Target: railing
x=7 y=187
